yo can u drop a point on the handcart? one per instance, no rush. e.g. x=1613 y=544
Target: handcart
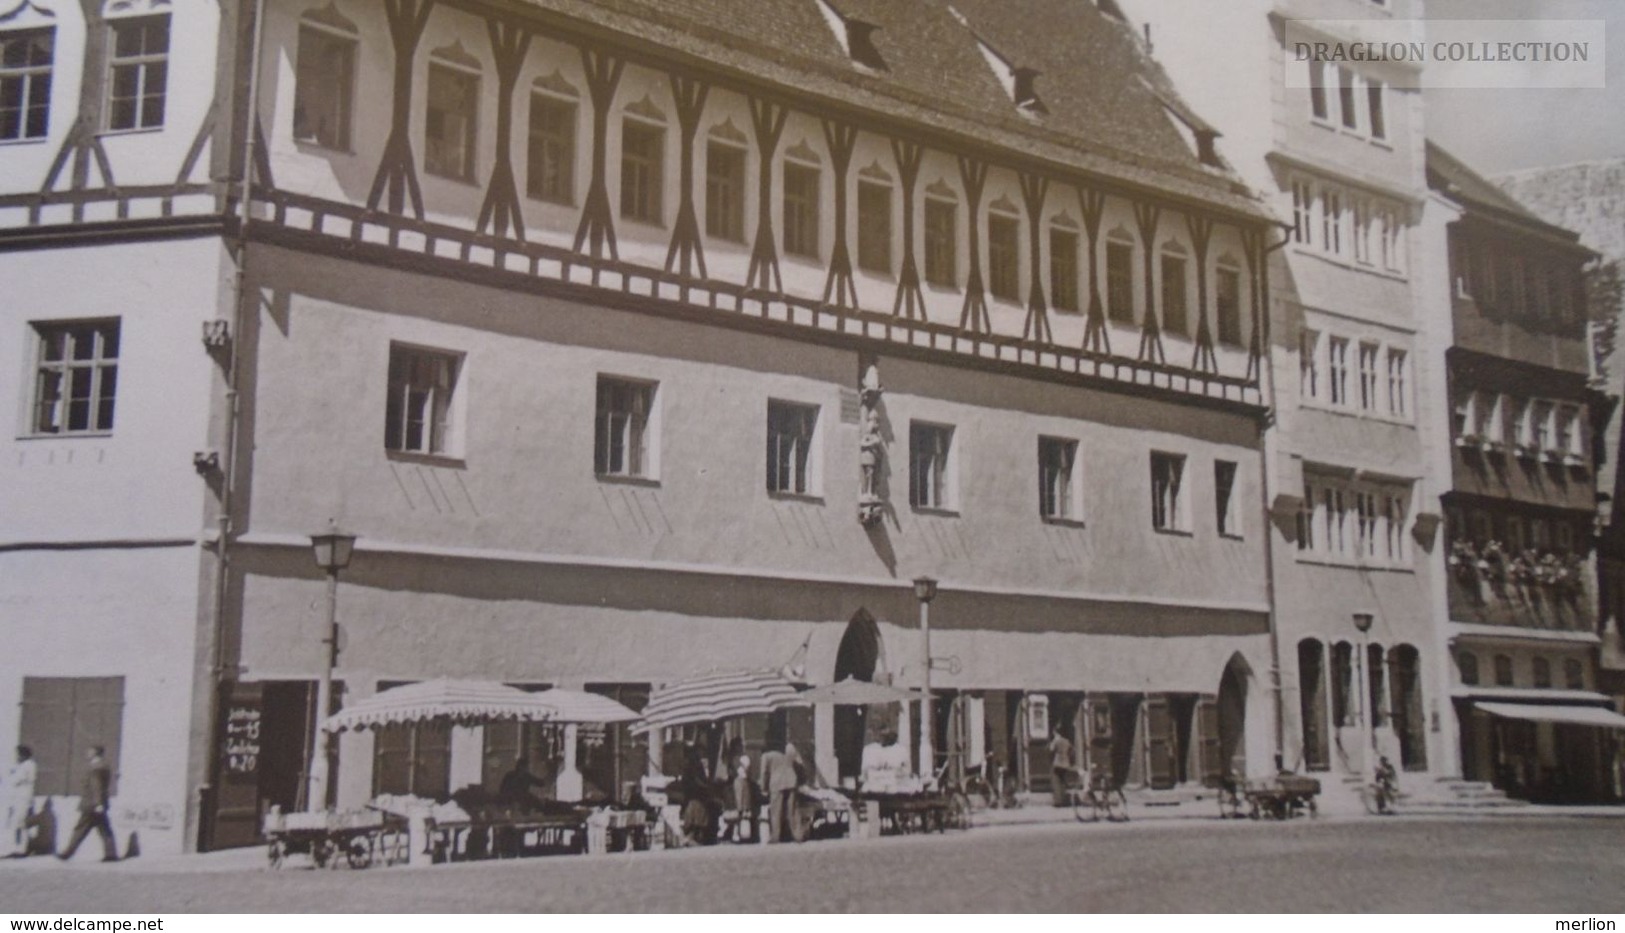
x=359 y=838
x=1282 y=797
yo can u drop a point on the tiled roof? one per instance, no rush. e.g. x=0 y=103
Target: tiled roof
x=1106 y=100
x=1449 y=174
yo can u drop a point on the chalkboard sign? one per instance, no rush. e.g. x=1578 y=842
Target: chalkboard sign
x=240 y=753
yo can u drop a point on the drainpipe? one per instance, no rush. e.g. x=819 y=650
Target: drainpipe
x=1266 y=375
x=228 y=465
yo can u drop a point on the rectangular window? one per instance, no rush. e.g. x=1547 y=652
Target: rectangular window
x=1175 y=304
x=138 y=72
x=76 y=379
x=1379 y=119
x=643 y=171
x=417 y=414
x=1309 y=364
x=26 y=57
x=1224 y=498
x=62 y=719
x=1398 y=403
x=1336 y=534
x=874 y=227
x=725 y=191
x=1337 y=369
x=1306 y=519
x=324 y=86
x=1063 y=269
x=801 y=193
x=1004 y=256
x=1540 y=423
x=1565 y=436
x=1302 y=225
x=1394 y=511
x=412 y=758
x=551 y=160
x=929 y=447
x=1317 y=90
x=1167 y=498
x=1057 y=459
x=1351 y=119
x=1331 y=222
x=1120 y=281
x=1574 y=677
x=790 y=429
x=1362 y=232
x=621 y=427
x=1228 y=305
x=941 y=242
x=1368 y=376
x=449 y=123
x=1365 y=508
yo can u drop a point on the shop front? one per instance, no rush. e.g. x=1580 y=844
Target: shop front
x=1544 y=750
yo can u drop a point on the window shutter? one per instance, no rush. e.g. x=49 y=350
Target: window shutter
x=1098 y=726
x=1210 y=767
x=1160 y=742
x=99 y=716
x=47 y=728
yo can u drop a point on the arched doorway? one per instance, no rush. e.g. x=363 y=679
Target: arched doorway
x=858 y=657
x=1233 y=716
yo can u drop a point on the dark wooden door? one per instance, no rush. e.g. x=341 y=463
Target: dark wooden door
x=240 y=754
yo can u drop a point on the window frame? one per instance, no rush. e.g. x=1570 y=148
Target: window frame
x=1064 y=269
x=1004 y=255
x=803 y=479
x=1227 y=515
x=1337 y=370
x=1230 y=330
x=643 y=170
x=435 y=154
x=1120 y=281
x=725 y=192
x=1058 y=480
x=941 y=247
x=30 y=77
x=932 y=482
x=803 y=227
x=441 y=423
x=101 y=406
x=345 y=96
x=559 y=186
x=1170 y=501
x=875 y=235
x=143 y=62
x=639 y=435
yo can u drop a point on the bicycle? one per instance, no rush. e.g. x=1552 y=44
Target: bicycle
x=1101 y=797
x=994 y=794
x=1379 y=796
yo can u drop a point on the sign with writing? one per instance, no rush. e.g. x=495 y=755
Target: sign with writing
x=240 y=742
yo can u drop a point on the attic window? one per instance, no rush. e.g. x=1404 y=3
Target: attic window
x=1020 y=83
x=855 y=36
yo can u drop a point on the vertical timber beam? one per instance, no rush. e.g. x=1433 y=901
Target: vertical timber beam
x=1146 y=217
x=687 y=249
x=597 y=229
x=397 y=171
x=841 y=138
x=1201 y=229
x=910 y=304
x=1252 y=248
x=501 y=208
x=974 y=317
x=1096 y=339
x=767 y=121
x=1034 y=189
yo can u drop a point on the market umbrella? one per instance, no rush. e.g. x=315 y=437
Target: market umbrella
x=851 y=692
x=472 y=702
x=714 y=696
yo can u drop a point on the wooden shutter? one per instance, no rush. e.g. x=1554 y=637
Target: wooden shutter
x=1098 y=738
x=62 y=718
x=1160 y=743
x=1210 y=764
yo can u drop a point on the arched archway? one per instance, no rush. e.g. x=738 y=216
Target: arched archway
x=859 y=656
x=1233 y=686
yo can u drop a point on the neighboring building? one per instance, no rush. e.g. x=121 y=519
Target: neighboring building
x=1339 y=150
x=1589 y=198
x=642 y=339
x=1521 y=508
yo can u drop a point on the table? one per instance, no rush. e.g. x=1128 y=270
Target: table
x=902 y=814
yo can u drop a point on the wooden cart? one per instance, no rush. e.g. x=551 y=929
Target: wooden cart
x=1282 y=797
x=358 y=838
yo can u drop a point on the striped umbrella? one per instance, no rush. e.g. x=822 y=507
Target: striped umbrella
x=714 y=696
x=473 y=702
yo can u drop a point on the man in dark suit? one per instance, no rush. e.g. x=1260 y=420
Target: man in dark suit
x=780 y=778
x=93 y=800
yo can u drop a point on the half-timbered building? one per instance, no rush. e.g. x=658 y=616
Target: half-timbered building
x=634 y=340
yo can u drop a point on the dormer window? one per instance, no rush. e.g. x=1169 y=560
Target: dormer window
x=1026 y=91
x=855 y=36
x=1020 y=83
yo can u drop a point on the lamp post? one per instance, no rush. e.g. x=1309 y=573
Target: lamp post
x=332 y=549
x=925 y=590
x=1368 y=712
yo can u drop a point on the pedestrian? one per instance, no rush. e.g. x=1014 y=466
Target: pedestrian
x=1061 y=768
x=745 y=801
x=781 y=776
x=93 y=801
x=17 y=804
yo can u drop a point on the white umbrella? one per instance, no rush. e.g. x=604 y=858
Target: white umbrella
x=575 y=706
x=472 y=702
x=714 y=696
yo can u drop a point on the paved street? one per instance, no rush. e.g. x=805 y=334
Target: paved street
x=1498 y=865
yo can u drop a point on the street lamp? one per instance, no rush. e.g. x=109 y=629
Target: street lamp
x=1362 y=623
x=332 y=549
x=925 y=590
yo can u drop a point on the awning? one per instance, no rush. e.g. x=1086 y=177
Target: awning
x=715 y=696
x=473 y=702
x=1572 y=715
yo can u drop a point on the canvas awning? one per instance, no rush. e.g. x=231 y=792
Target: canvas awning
x=1572 y=715
x=474 y=702
x=715 y=696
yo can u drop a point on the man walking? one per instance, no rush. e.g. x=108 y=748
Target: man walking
x=780 y=777
x=18 y=804
x=93 y=800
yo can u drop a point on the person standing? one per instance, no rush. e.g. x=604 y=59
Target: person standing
x=93 y=801
x=780 y=778
x=1060 y=768
x=17 y=804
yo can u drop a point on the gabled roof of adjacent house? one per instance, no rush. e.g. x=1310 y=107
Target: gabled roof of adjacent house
x=1455 y=179
x=1109 y=113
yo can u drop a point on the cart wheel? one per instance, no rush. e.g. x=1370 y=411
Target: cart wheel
x=958 y=811
x=1083 y=810
x=276 y=853
x=359 y=853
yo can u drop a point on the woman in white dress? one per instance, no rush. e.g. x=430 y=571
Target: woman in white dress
x=18 y=803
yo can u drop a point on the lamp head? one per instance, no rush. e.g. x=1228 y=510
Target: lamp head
x=332 y=548
x=925 y=589
x=1362 y=621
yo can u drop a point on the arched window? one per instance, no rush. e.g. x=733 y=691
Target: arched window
x=1376 y=697
x=1542 y=672
x=1312 y=704
x=1467 y=665
x=1503 y=670
x=1342 y=683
